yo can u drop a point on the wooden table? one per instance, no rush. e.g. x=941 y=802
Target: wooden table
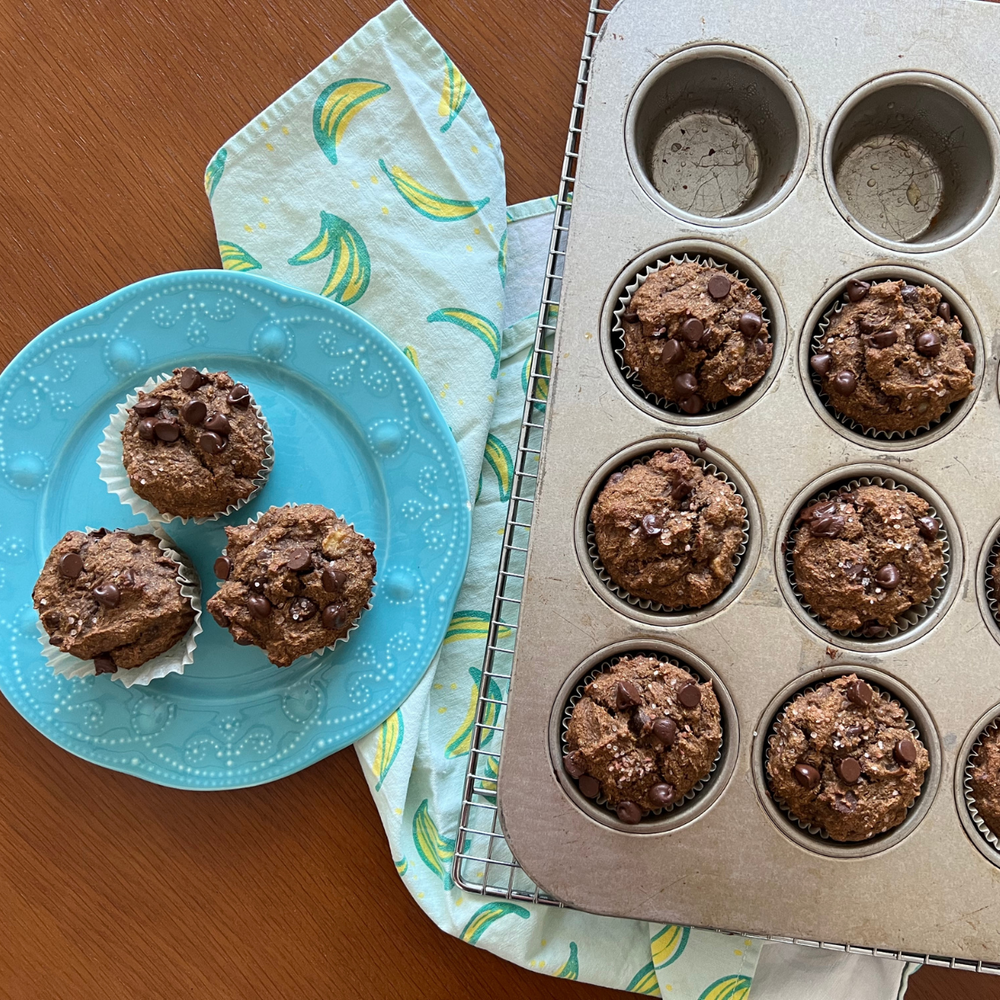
x=108 y=113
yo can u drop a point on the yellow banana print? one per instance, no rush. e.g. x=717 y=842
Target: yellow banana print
x=483 y=328
x=471 y=625
x=668 y=943
x=544 y=371
x=402 y=865
x=337 y=105
x=235 y=258
x=489 y=786
x=644 y=982
x=453 y=94
x=487 y=915
x=461 y=743
x=435 y=851
x=350 y=265
x=498 y=458
x=426 y=202
x=390 y=739
x=728 y=988
x=570 y=969
x=502 y=260
x=213 y=173
x=411 y=353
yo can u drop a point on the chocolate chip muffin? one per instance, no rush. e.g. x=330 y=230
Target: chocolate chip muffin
x=893 y=357
x=864 y=557
x=694 y=335
x=194 y=445
x=644 y=734
x=112 y=597
x=842 y=759
x=294 y=581
x=985 y=780
x=668 y=532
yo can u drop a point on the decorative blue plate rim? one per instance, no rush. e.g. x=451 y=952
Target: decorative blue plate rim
x=355 y=428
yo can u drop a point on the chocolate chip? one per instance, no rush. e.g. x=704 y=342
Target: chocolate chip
x=885 y=338
x=692 y=330
x=888 y=577
x=652 y=525
x=944 y=311
x=576 y=766
x=760 y=346
x=334 y=580
x=191 y=378
x=147 y=407
x=905 y=752
x=821 y=363
x=220 y=619
x=147 y=429
x=673 y=350
x=929 y=344
x=298 y=559
x=219 y=423
x=258 y=585
x=166 y=430
x=853 y=732
x=910 y=293
x=194 y=411
x=630 y=316
x=857 y=290
x=334 y=617
x=854 y=571
x=590 y=786
x=665 y=730
x=107 y=595
x=806 y=775
x=260 y=606
x=71 y=565
x=692 y=404
x=849 y=770
x=239 y=396
x=825 y=508
x=859 y=693
x=845 y=383
x=689 y=696
x=844 y=803
x=685 y=385
x=212 y=443
x=718 y=286
x=682 y=488
x=302 y=609
x=928 y=527
x=750 y=324
x=103 y=664
x=628 y=812
x=642 y=720
x=627 y=694
x=828 y=527
x=223 y=567
x=662 y=794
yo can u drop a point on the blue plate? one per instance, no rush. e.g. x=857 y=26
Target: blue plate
x=355 y=428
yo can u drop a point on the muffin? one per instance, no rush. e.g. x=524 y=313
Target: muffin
x=893 y=357
x=985 y=780
x=643 y=734
x=843 y=760
x=669 y=532
x=112 y=597
x=994 y=584
x=866 y=556
x=295 y=580
x=194 y=445
x=694 y=334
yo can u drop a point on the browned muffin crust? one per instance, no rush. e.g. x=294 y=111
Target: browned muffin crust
x=985 y=780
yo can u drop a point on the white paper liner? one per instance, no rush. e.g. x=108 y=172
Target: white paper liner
x=817 y=347
x=174 y=660
x=299 y=660
x=646 y=605
x=907 y=619
x=988 y=835
x=113 y=471
x=784 y=807
x=991 y=594
x=618 y=331
x=577 y=694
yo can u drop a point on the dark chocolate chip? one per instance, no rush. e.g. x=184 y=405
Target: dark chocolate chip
x=673 y=350
x=223 y=567
x=71 y=565
x=692 y=330
x=302 y=609
x=127 y=579
x=576 y=766
x=590 y=786
x=910 y=293
x=627 y=694
x=194 y=411
x=928 y=527
x=147 y=407
x=844 y=383
x=859 y=693
x=333 y=580
x=692 y=404
x=665 y=730
x=806 y=775
x=844 y=803
x=849 y=770
x=888 y=577
x=853 y=732
x=334 y=617
x=219 y=423
x=652 y=525
x=685 y=385
x=885 y=338
x=191 y=378
x=818 y=510
x=854 y=571
x=107 y=595
x=718 y=286
x=821 y=363
x=944 y=311
x=857 y=290
x=905 y=752
x=259 y=606
x=147 y=429
x=760 y=346
x=298 y=559
x=689 y=696
x=166 y=430
x=211 y=442
x=662 y=794
x=103 y=664
x=630 y=316
x=828 y=527
x=239 y=396
x=628 y=812
x=258 y=585
x=682 y=488
x=750 y=324
x=220 y=619
x=929 y=344
x=642 y=720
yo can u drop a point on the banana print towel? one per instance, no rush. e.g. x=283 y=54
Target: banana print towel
x=378 y=181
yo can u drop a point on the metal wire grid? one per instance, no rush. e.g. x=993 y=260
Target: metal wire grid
x=483 y=863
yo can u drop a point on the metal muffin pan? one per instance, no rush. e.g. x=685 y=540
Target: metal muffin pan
x=839 y=89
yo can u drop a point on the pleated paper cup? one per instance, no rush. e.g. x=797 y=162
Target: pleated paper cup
x=970 y=800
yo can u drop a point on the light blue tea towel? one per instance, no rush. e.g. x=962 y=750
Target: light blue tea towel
x=378 y=181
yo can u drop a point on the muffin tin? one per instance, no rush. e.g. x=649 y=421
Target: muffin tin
x=805 y=99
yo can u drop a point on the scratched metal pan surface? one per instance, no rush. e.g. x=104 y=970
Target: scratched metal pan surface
x=811 y=102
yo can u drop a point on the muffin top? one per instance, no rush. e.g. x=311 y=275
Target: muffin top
x=644 y=733
x=668 y=532
x=111 y=597
x=293 y=582
x=893 y=357
x=194 y=444
x=985 y=780
x=842 y=759
x=864 y=557
x=695 y=334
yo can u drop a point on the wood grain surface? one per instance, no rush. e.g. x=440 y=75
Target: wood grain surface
x=111 y=887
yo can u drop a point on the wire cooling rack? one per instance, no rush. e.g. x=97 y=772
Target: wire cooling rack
x=483 y=862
